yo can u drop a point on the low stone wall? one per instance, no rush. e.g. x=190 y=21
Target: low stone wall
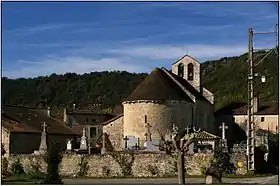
x=120 y=164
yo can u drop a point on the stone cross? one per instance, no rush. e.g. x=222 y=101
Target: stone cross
x=148 y=133
x=43 y=144
x=223 y=127
x=125 y=141
x=103 y=150
x=83 y=145
x=44 y=126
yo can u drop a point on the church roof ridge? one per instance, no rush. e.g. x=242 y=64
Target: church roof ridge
x=186 y=55
x=158 y=86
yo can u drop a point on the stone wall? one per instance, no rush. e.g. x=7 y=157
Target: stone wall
x=269 y=121
x=196 y=67
x=5 y=139
x=160 y=115
x=115 y=131
x=133 y=164
x=108 y=165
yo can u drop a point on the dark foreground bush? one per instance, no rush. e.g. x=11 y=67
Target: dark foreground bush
x=53 y=159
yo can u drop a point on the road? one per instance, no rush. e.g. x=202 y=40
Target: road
x=271 y=180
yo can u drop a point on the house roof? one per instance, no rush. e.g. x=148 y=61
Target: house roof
x=203 y=135
x=20 y=119
x=163 y=85
x=240 y=108
x=113 y=119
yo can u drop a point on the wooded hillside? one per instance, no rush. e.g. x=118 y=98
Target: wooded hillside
x=226 y=78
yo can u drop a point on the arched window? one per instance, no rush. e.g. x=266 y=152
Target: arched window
x=181 y=70
x=190 y=71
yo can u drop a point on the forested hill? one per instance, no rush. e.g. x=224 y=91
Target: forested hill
x=226 y=78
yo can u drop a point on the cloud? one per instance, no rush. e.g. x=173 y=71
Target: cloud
x=169 y=52
x=78 y=65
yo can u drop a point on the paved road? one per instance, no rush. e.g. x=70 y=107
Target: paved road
x=271 y=180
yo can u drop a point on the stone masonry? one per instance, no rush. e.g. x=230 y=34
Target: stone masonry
x=142 y=164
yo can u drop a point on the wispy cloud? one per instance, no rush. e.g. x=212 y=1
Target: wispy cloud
x=71 y=64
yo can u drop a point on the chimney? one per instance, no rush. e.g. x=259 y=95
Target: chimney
x=74 y=106
x=256 y=104
x=65 y=116
x=49 y=111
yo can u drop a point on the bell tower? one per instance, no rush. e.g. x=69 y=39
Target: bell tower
x=189 y=69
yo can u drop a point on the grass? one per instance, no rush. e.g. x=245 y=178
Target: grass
x=19 y=180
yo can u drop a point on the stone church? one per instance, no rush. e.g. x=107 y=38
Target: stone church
x=164 y=98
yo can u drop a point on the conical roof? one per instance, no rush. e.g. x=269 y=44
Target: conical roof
x=158 y=86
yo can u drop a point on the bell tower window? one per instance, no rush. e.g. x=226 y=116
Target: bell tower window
x=190 y=72
x=181 y=70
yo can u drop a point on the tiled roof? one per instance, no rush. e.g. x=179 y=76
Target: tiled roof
x=111 y=120
x=158 y=86
x=27 y=120
x=240 y=108
x=206 y=136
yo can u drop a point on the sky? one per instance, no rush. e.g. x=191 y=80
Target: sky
x=41 y=38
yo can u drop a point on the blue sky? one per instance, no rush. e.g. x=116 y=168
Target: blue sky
x=41 y=38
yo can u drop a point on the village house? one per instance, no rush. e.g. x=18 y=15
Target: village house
x=163 y=98
x=90 y=120
x=235 y=116
x=22 y=128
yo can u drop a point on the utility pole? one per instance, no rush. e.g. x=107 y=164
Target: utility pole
x=250 y=110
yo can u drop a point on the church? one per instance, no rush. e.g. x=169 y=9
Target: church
x=163 y=99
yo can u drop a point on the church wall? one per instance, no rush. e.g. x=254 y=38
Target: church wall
x=204 y=116
x=186 y=60
x=5 y=139
x=27 y=143
x=160 y=116
x=115 y=132
x=270 y=121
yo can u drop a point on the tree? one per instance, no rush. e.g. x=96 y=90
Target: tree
x=53 y=158
x=180 y=143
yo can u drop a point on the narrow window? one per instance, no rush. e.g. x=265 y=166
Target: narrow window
x=145 y=118
x=86 y=120
x=93 y=120
x=190 y=72
x=181 y=70
x=262 y=119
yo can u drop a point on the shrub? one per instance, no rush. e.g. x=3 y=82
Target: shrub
x=83 y=167
x=17 y=168
x=153 y=169
x=221 y=162
x=34 y=171
x=53 y=158
x=105 y=171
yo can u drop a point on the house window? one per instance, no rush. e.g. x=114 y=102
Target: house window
x=262 y=119
x=86 y=120
x=181 y=70
x=190 y=72
x=145 y=118
x=92 y=132
x=93 y=120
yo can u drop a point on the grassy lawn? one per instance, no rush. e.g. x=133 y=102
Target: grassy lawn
x=19 y=180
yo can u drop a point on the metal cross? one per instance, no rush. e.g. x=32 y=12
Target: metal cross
x=125 y=141
x=223 y=127
x=188 y=129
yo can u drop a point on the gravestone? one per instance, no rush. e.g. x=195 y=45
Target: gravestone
x=149 y=146
x=83 y=144
x=69 y=145
x=132 y=141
